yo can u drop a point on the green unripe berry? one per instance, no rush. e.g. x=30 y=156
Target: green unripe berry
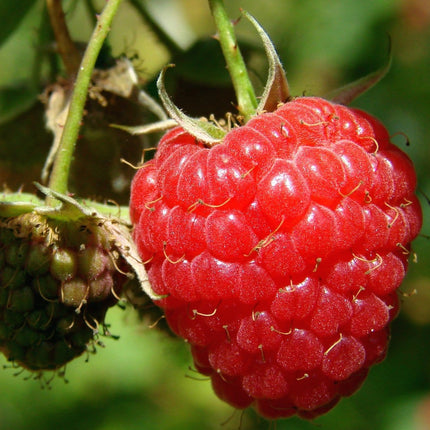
x=74 y=292
x=38 y=259
x=92 y=262
x=21 y=300
x=4 y=295
x=63 y=264
x=12 y=278
x=56 y=284
x=16 y=253
x=63 y=353
x=13 y=319
x=100 y=288
x=39 y=319
x=26 y=337
x=5 y=331
x=46 y=286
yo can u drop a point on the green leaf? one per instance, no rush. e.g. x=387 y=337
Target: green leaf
x=16 y=100
x=12 y=15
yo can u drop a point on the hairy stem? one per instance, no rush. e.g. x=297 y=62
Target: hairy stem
x=246 y=99
x=61 y=168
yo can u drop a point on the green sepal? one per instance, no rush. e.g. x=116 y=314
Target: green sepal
x=70 y=209
x=348 y=93
x=15 y=204
x=276 y=90
x=13 y=16
x=120 y=213
x=201 y=129
x=153 y=127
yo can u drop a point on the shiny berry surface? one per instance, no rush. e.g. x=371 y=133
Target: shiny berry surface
x=277 y=254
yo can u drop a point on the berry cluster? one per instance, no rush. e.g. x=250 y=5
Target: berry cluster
x=57 y=279
x=277 y=253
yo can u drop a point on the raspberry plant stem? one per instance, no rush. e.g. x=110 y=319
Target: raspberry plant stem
x=58 y=180
x=246 y=99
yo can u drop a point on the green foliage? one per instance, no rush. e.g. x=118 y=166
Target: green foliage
x=24 y=35
x=15 y=101
x=139 y=381
x=14 y=14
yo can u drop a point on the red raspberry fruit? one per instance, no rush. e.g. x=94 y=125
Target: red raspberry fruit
x=278 y=252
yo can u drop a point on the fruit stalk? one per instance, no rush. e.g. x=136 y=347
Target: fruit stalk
x=246 y=99
x=61 y=168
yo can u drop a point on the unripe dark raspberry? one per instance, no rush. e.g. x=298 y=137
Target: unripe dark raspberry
x=58 y=279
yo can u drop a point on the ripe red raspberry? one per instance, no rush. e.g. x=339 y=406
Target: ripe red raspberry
x=278 y=252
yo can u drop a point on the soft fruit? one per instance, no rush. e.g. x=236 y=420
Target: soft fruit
x=277 y=254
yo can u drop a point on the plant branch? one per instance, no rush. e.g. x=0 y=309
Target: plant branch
x=65 y=45
x=61 y=168
x=246 y=99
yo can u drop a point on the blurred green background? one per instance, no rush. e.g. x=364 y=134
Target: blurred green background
x=143 y=379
